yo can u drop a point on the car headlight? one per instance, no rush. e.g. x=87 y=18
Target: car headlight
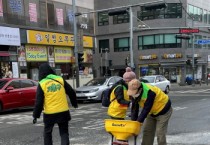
x=94 y=90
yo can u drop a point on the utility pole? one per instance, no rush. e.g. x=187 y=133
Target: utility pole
x=193 y=53
x=106 y=60
x=131 y=37
x=75 y=43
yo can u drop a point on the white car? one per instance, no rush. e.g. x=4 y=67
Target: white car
x=159 y=81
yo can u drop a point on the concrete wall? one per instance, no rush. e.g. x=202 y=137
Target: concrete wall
x=82 y=3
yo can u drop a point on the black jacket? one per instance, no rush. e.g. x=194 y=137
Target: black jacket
x=119 y=93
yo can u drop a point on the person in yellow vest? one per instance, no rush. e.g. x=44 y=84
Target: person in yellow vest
x=156 y=110
x=119 y=99
x=51 y=98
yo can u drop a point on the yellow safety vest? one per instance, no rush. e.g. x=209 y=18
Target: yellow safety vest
x=115 y=109
x=55 y=100
x=160 y=99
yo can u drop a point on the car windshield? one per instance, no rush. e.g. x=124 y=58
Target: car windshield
x=2 y=83
x=96 y=82
x=148 y=79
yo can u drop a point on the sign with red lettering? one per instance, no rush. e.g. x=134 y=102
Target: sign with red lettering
x=188 y=30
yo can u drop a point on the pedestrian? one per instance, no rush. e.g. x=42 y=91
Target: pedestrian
x=51 y=98
x=156 y=110
x=119 y=99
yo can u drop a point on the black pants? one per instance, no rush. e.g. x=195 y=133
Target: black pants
x=64 y=133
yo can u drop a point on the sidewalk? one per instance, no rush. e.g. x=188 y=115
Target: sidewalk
x=176 y=87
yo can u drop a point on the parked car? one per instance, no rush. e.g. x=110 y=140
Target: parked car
x=94 y=88
x=17 y=93
x=159 y=81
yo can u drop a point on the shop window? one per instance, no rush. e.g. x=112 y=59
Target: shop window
x=121 y=44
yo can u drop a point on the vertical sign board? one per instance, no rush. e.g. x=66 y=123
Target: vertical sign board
x=1 y=8
x=32 y=12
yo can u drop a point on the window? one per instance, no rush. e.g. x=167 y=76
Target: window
x=205 y=16
x=122 y=18
x=195 y=12
x=103 y=18
x=209 y=17
x=103 y=44
x=159 y=41
x=204 y=45
x=170 y=41
x=173 y=10
x=26 y=83
x=112 y=81
x=148 y=42
x=51 y=14
x=121 y=44
x=197 y=37
x=15 y=84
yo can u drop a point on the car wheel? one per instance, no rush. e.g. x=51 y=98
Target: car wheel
x=167 y=90
x=102 y=95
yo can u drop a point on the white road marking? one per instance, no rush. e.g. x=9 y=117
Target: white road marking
x=199 y=138
x=192 y=91
x=179 y=108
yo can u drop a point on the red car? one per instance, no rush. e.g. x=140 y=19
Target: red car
x=17 y=93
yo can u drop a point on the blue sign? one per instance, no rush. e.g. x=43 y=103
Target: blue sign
x=71 y=15
x=203 y=41
x=15 y=6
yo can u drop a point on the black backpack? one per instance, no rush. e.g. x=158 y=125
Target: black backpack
x=106 y=95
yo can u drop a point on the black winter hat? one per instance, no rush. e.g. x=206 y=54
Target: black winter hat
x=45 y=70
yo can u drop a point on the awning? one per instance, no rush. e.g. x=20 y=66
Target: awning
x=4 y=53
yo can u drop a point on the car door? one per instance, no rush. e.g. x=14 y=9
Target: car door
x=29 y=92
x=158 y=82
x=12 y=98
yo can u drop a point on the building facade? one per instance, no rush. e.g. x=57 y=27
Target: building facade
x=156 y=49
x=37 y=31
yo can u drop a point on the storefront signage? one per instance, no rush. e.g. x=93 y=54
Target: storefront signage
x=88 y=41
x=63 y=54
x=57 y=39
x=36 y=53
x=188 y=30
x=145 y=57
x=9 y=36
x=168 y=56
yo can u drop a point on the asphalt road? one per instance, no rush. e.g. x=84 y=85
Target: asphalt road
x=189 y=124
